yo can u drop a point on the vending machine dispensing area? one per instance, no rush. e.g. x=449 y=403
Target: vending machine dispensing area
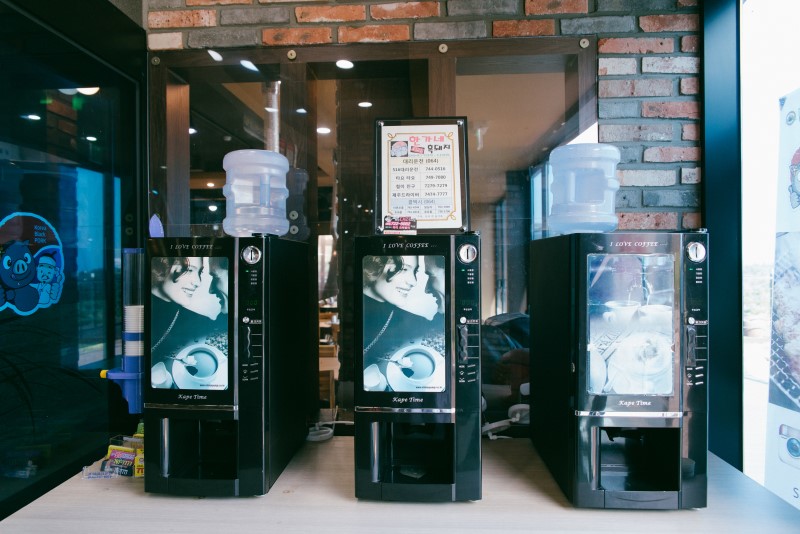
x=418 y=410
x=619 y=360
x=225 y=407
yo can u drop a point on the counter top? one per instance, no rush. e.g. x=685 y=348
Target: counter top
x=316 y=494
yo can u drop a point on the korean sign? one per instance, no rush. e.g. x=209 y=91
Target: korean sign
x=421 y=176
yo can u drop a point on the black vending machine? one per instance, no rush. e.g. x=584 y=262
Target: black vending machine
x=619 y=367
x=226 y=323
x=417 y=387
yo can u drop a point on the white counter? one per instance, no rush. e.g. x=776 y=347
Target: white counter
x=316 y=494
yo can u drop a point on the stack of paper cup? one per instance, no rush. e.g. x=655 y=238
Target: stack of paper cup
x=133 y=309
x=133 y=330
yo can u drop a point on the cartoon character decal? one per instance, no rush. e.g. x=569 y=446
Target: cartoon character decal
x=31 y=264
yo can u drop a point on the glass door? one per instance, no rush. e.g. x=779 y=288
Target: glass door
x=630 y=321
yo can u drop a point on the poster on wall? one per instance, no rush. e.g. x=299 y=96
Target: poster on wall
x=421 y=176
x=782 y=449
x=31 y=264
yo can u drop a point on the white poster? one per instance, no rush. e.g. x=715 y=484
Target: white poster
x=782 y=461
x=421 y=178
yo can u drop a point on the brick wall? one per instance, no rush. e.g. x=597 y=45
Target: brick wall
x=648 y=67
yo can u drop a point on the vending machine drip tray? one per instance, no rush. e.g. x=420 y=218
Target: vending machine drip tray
x=640 y=459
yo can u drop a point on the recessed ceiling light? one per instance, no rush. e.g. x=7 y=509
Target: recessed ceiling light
x=323 y=130
x=32 y=117
x=91 y=138
x=302 y=111
x=216 y=55
x=246 y=63
x=210 y=184
x=192 y=131
x=212 y=207
x=88 y=91
x=344 y=64
x=365 y=104
x=69 y=92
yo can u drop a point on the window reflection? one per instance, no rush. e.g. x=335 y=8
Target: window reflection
x=521 y=98
x=67 y=154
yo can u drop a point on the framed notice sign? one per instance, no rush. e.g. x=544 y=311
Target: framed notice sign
x=421 y=176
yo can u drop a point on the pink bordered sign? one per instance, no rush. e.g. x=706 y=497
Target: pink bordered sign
x=421 y=176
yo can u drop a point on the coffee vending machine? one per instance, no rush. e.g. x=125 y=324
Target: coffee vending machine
x=619 y=367
x=417 y=387
x=418 y=321
x=226 y=323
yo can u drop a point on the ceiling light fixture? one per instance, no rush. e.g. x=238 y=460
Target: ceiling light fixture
x=323 y=130
x=32 y=117
x=344 y=64
x=215 y=55
x=88 y=91
x=271 y=110
x=246 y=63
x=365 y=104
x=192 y=131
x=210 y=184
x=91 y=138
x=302 y=111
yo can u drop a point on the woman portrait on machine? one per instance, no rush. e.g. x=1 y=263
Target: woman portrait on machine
x=188 y=323
x=403 y=325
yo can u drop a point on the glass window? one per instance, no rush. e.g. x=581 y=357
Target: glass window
x=521 y=98
x=630 y=318
x=66 y=163
x=770 y=244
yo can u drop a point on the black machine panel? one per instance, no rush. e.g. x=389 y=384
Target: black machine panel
x=417 y=394
x=619 y=358
x=223 y=410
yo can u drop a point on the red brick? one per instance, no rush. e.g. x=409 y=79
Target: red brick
x=671 y=110
x=331 y=14
x=692 y=221
x=690 y=43
x=649 y=45
x=196 y=18
x=63 y=108
x=547 y=7
x=190 y=3
x=671 y=154
x=690 y=132
x=637 y=87
x=404 y=10
x=615 y=66
x=68 y=127
x=523 y=28
x=648 y=220
x=670 y=23
x=296 y=36
x=374 y=34
x=690 y=175
x=647 y=177
x=690 y=86
x=672 y=65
